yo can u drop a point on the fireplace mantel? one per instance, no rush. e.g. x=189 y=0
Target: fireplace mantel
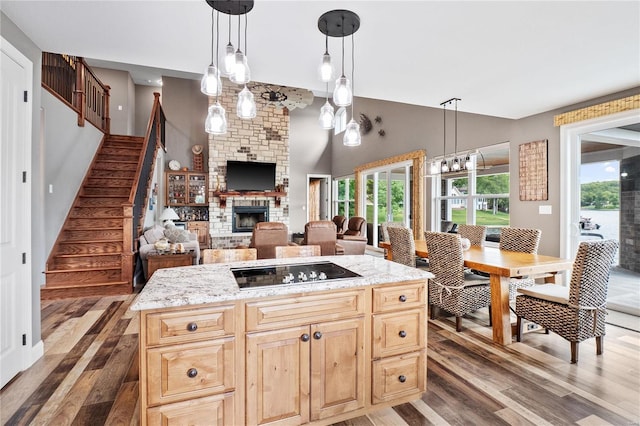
x=223 y=195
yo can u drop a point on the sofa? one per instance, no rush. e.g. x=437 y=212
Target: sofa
x=146 y=242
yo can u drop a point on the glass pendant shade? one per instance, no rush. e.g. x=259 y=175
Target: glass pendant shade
x=342 y=95
x=246 y=104
x=211 y=84
x=468 y=164
x=326 y=116
x=352 y=134
x=456 y=165
x=241 y=73
x=444 y=168
x=229 y=60
x=326 y=68
x=434 y=168
x=216 y=122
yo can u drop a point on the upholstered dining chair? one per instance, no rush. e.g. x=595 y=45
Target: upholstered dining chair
x=524 y=240
x=449 y=290
x=403 y=247
x=228 y=255
x=267 y=236
x=297 y=251
x=474 y=233
x=576 y=312
x=384 y=226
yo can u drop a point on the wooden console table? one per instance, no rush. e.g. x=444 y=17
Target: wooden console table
x=160 y=261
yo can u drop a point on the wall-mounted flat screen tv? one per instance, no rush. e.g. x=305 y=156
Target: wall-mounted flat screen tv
x=250 y=176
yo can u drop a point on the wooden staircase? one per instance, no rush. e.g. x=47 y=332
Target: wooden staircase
x=93 y=255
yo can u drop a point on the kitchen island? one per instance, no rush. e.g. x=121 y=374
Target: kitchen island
x=312 y=351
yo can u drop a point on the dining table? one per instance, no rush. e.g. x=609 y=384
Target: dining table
x=501 y=265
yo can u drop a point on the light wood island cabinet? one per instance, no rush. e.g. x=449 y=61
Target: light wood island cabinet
x=310 y=357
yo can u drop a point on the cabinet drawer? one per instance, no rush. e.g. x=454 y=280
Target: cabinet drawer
x=263 y=315
x=190 y=370
x=398 y=332
x=399 y=377
x=405 y=296
x=211 y=410
x=184 y=326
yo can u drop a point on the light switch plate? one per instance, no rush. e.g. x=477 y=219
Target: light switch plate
x=544 y=210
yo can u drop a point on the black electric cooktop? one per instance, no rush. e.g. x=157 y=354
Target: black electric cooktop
x=259 y=276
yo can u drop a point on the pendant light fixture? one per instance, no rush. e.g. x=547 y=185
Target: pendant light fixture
x=216 y=122
x=339 y=23
x=327 y=115
x=246 y=106
x=230 y=55
x=352 y=136
x=241 y=72
x=457 y=162
x=211 y=84
x=455 y=167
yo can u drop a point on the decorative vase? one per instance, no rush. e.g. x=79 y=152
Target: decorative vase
x=466 y=244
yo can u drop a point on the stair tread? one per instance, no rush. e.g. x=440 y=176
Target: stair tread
x=89 y=241
x=71 y=284
x=96 y=269
x=70 y=256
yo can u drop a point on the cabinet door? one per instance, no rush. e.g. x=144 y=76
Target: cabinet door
x=197 y=188
x=277 y=369
x=176 y=189
x=201 y=228
x=337 y=367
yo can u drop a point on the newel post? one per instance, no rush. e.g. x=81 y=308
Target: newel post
x=106 y=118
x=80 y=95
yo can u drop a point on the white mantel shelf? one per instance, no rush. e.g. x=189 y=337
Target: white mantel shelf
x=199 y=284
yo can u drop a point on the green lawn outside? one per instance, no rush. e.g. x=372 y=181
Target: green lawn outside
x=483 y=217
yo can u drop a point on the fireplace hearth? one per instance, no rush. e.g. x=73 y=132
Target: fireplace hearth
x=245 y=217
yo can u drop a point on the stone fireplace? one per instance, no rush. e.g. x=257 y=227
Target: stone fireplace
x=245 y=217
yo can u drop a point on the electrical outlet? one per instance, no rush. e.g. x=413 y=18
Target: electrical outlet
x=531 y=326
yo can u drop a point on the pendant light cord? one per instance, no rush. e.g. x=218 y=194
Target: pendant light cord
x=444 y=143
x=455 y=148
x=246 y=24
x=238 y=32
x=229 y=28
x=343 y=45
x=353 y=67
x=217 y=45
x=211 y=36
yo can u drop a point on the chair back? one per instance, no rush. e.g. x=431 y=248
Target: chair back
x=384 y=226
x=322 y=233
x=446 y=225
x=403 y=247
x=339 y=220
x=357 y=226
x=590 y=273
x=228 y=255
x=474 y=233
x=297 y=251
x=446 y=260
x=524 y=240
x=267 y=236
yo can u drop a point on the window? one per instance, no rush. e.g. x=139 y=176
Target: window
x=479 y=196
x=344 y=194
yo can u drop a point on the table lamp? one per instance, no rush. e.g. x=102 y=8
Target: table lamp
x=168 y=216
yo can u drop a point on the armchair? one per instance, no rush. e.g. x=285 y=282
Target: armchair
x=322 y=233
x=339 y=220
x=267 y=236
x=353 y=239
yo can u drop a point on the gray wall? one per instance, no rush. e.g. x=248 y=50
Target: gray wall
x=144 y=103
x=186 y=109
x=309 y=153
x=69 y=150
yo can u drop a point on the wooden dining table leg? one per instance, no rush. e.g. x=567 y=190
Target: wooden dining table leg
x=500 y=309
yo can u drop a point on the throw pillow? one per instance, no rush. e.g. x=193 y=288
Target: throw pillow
x=153 y=234
x=176 y=235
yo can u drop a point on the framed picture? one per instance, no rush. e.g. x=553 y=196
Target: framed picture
x=533 y=172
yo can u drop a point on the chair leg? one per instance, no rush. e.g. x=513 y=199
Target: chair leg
x=599 y=342
x=432 y=310
x=518 y=329
x=458 y=323
x=574 y=352
x=490 y=317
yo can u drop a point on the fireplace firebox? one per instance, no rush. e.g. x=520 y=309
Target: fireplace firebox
x=245 y=217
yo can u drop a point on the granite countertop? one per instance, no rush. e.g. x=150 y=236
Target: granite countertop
x=197 y=284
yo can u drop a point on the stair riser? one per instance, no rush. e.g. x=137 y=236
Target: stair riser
x=103 y=290
x=115 y=166
x=86 y=262
x=94 y=224
x=90 y=248
x=123 y=192
x=84 y=276
x=117 y=150
x=101 y=202
x=109 y=182
x=119 y=174
x=118 y=157
x=89 y=235
x=88 y=212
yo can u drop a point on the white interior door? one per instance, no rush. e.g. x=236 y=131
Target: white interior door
x=15 y=209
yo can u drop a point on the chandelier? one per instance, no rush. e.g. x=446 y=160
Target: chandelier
x=457 y=161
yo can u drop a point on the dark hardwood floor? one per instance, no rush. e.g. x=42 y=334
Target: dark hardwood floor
x=89 y=375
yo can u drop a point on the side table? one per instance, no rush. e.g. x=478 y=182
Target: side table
x=159 y=261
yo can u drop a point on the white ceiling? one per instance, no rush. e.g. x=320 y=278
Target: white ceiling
x=508 y=59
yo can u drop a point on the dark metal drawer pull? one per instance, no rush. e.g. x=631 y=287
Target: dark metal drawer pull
x=192 y=326
x=192 y=372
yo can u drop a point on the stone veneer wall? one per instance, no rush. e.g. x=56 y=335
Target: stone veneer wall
x=264 y=139
x=629 y=214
